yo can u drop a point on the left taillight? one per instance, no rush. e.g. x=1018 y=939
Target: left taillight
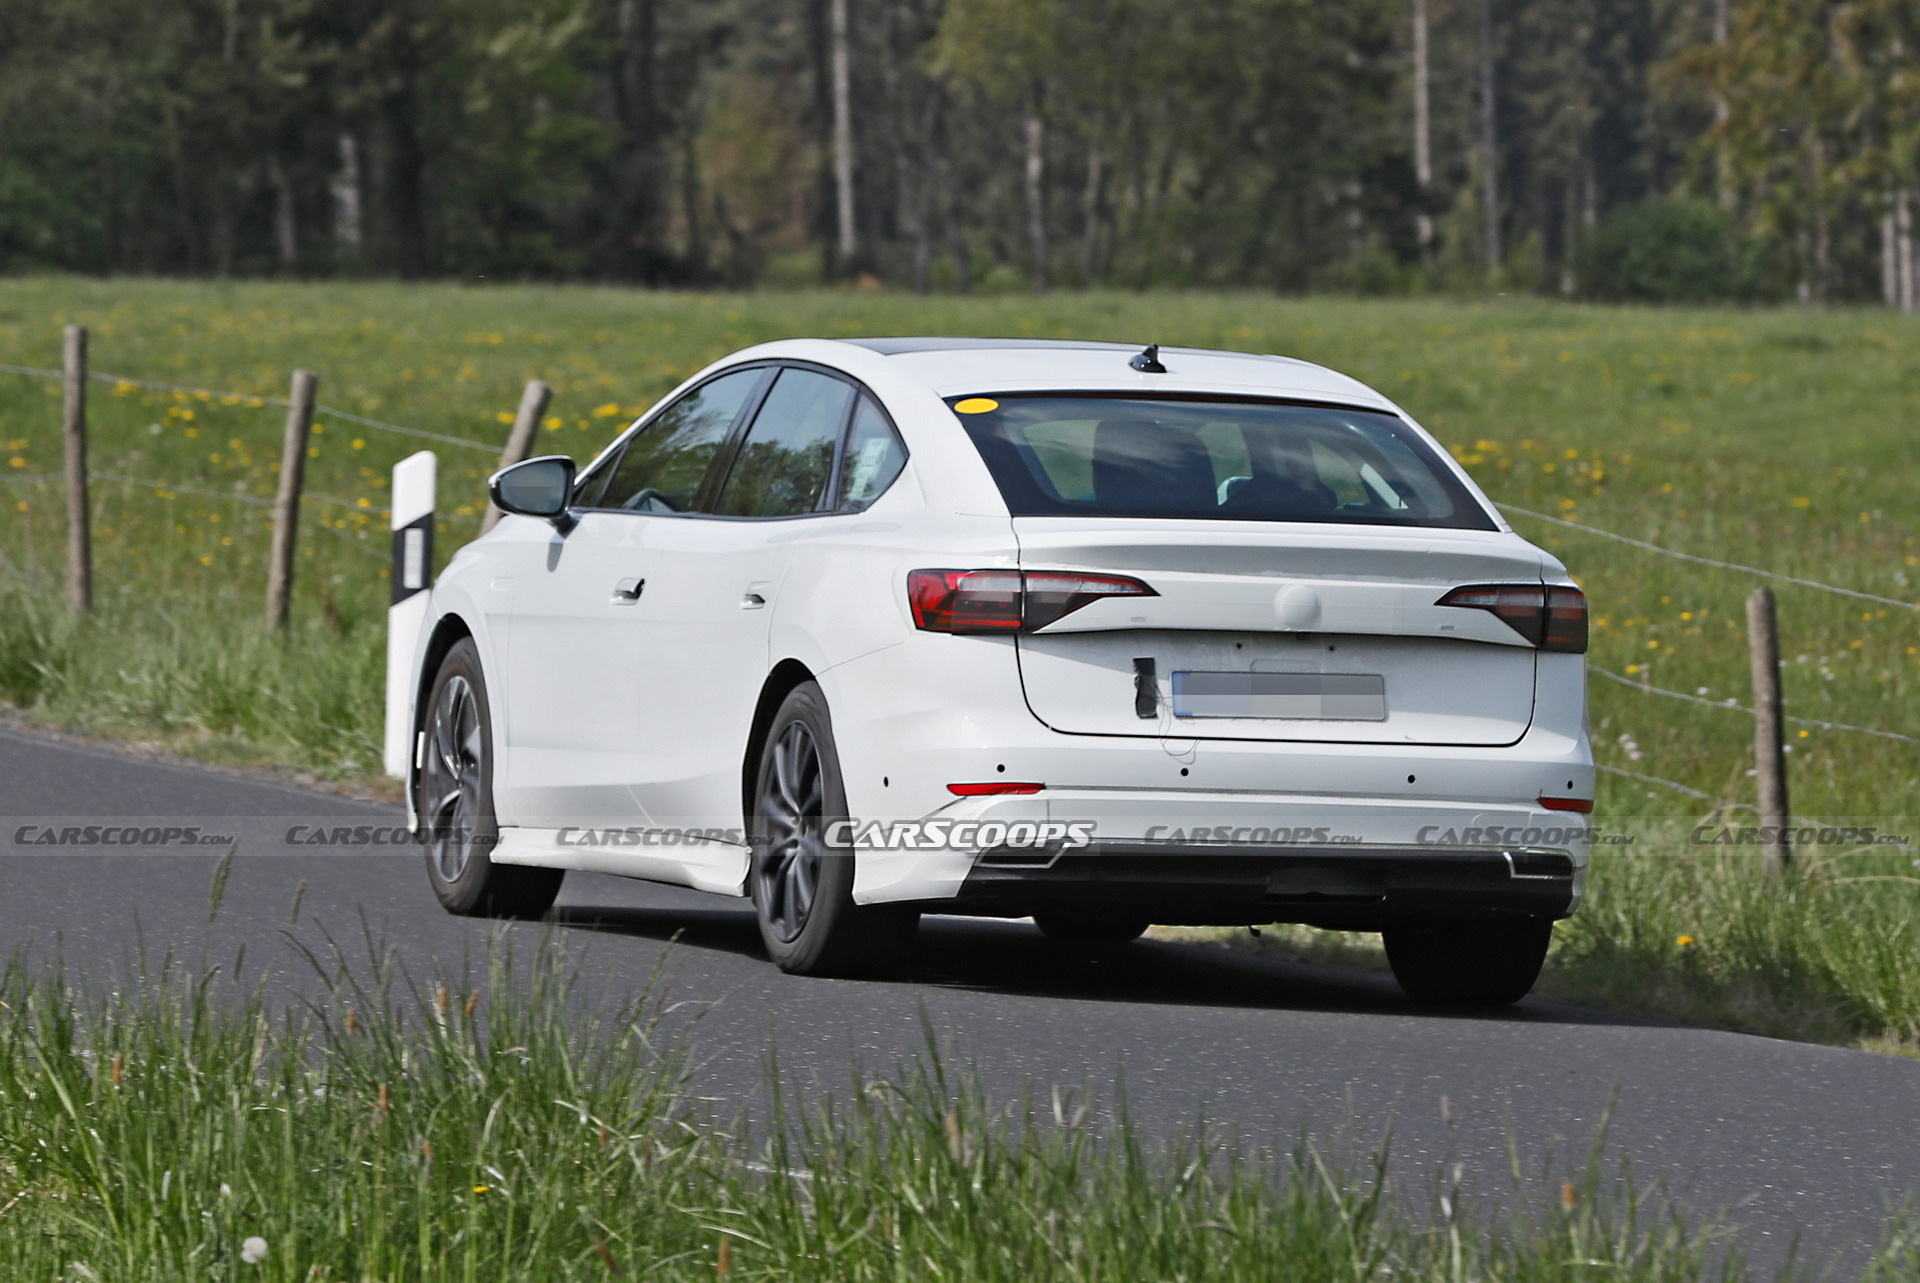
x=1007 y=601
x=1551 y=616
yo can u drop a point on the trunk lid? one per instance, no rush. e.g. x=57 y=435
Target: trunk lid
x=1323 y=633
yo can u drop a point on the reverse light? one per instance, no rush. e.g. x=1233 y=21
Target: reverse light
x=1007 y=601
x=1551 y=616
x=1584 y=805
x=993 y=788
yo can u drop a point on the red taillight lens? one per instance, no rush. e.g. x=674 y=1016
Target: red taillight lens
x=1584 y=805
x=965 y=601
x=1005 y=601
x=1566 y=621
x=1551 y=617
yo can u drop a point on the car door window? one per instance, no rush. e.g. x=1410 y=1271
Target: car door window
x=663 y=464
x=782 y=465
x=874 y=457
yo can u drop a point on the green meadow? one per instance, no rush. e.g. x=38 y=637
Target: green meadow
x=1777 y=439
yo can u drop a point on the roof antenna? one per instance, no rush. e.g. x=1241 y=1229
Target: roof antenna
x=1148 y=362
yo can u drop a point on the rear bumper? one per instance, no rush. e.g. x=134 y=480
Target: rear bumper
x=1342 y=889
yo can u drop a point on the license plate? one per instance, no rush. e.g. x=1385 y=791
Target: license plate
x=1316 y=697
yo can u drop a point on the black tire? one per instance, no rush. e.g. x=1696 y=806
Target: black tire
x=802 y=887
x=454 y=801
x=1481 y=964
x=1089 y=930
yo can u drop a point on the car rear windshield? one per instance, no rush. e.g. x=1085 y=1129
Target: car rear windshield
x=1221 y=459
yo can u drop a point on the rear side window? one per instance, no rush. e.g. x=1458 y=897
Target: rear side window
x=663 y=464
x=874 y=457
x=782 y=466
x=1223 y=460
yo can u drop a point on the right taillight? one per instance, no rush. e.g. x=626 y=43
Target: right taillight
x=1007 y=601
x=1551 y=616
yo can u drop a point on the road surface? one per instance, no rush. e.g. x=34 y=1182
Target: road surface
x=1780 y=1139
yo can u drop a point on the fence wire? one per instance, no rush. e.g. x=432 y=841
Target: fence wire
x=263 y=398
x=1734 y=706
x=1710 y=561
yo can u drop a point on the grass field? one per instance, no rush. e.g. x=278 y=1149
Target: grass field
x=1778 y=439
x=491 y=1126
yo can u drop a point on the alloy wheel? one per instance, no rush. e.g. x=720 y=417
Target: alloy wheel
x=791 y=799
x=451 y=789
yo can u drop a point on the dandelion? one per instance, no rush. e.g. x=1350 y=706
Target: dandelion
x=481 y=1189
x=253 y=1250
x=1686 y=942
x=1803 y=502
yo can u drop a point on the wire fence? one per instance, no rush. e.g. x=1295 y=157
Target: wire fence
x=1727 y=705
x=1735 y=706
x=1714 y=562
x=258 y=398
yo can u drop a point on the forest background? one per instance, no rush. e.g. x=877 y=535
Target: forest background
x=1624 y=149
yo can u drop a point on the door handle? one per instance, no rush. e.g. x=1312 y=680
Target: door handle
x=752 y=601
x=627 y=591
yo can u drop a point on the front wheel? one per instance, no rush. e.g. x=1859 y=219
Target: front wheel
x=801 y=884
x=454 y=802
x=1482 y=964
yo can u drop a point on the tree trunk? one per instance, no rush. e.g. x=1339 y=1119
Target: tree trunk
x=1489 y=143
x=346 y=192
x=632 y=244
x=842 y=70
x=1092 y=204
x=1037 y=198
x=286 y=231
x=1423 y=131
x=1722 y=155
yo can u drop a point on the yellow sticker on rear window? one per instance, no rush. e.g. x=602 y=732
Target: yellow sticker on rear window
x=976 y=405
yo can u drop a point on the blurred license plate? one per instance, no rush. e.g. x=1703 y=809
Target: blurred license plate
x=1319 y=697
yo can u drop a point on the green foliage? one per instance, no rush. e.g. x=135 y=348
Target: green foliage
x=1669 y=250
x=513 y=1125
x=1826 y=953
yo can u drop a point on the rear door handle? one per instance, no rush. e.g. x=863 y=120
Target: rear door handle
x=752 y=601
x=627 y=591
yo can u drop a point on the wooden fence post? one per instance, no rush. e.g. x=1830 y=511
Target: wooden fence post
x=74 y=424
x=286 y=507
x=533 y=404
x=1769 y=725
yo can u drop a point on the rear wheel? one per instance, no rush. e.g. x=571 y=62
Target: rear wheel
x=454 y=801
x=801 y=884
x=1089 y=929
x=1487 y=964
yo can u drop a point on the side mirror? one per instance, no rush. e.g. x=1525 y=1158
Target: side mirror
x=536 y=488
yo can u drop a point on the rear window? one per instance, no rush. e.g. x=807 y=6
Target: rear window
x=1071 y=456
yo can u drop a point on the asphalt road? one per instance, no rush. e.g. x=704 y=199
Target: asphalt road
x=1777 y=1138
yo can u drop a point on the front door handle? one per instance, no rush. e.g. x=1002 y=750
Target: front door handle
x=752 y=601
x=627 y=591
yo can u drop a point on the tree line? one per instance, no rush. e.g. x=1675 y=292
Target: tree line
x=1623 y=148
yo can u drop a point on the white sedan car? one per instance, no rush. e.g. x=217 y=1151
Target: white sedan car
x=1095 y=635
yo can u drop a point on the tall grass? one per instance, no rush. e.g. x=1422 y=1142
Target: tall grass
x=208 y=676
x=509 y=1125
x=1826 y=952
